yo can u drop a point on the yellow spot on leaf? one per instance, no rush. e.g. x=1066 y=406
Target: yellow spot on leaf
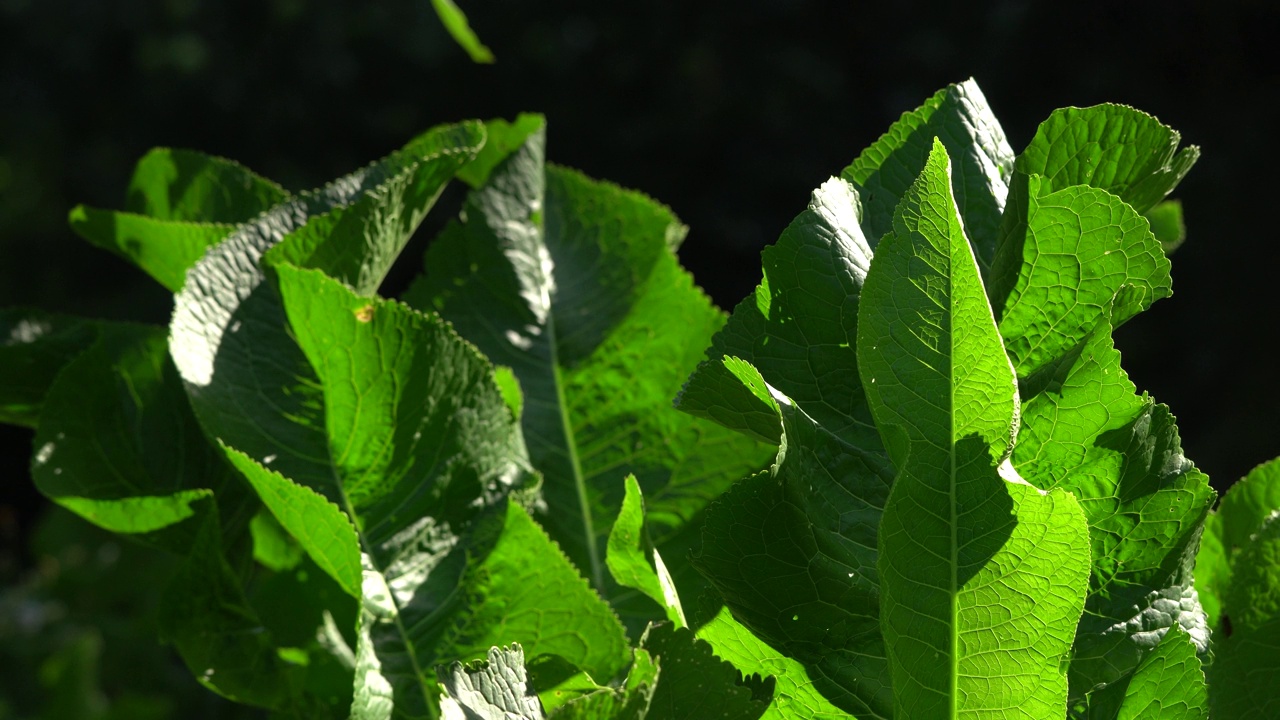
x=365 y=314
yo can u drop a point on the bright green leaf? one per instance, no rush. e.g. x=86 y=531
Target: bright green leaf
x=164 y=249
x=189 y=186
x=455 y=21
x=1167 y=224
x=1168 y=684
x=983 y=577
x=634 y=562
x=575 y=285
x=1110 y=147
x=273 y=547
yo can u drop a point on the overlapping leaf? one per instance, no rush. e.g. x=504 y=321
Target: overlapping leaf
x=793 y=550
x=574 y=284
x=983 y=577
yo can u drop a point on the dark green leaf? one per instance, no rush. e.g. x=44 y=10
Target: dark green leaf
x=34 y=347
x=694 y=683
x=1244 y=680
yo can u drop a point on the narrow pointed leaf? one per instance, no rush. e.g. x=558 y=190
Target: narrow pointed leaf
x=455 y=21
x=1110 y=147
x=959 y=116
x=189 y=186
x=634 y=562
x=982 y=577
x=574 y=284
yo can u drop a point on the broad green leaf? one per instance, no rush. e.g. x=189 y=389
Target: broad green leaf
x=797 y=330
x=1169 y=683
x=795 y=695
x=1063 y=257
x=1244 y=679
x=419 y=442
x=695 y=684
x=574 y=284
x=1212 y=570
x=34 y=347
x=983 y=576
x=1084 y=429
x=793 y=551
x=501 y=139
x=190 y=186
x=959 y=116
x=164 y=249
x=492 y=689
x=247 y=380
x=1167 y=224
x=455 y=21
x=1110 y=147
x=118 y=445
x=634 y=562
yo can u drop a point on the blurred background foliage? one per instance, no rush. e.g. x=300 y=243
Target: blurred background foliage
x=728 y=112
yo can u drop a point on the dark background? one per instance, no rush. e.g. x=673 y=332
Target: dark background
x=728 y=112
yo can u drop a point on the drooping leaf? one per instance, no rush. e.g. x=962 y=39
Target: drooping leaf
x=1110 y=147
x=1062 y=259
x=634 y=562
x=492 y=689
x=796 y=694
x=455 y=21
x=574 y=284
x=983 y=577
x=959 y=116
x=189 y=186
x=34 y=347
x=694 y=683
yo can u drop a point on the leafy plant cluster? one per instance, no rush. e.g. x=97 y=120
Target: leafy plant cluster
x=908 y=479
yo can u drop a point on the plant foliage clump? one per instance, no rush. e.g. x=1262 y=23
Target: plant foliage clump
x=906 y=477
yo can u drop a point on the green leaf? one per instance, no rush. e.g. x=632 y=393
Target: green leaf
x=796 y=694
x=798 y=330
x=34 y=347
x=629 y=702
x=793 y=551
x=229 y=337
x=1212 y=570
x=983 y=577
x=318 y=525
x=1254 y=597
x=1244 y=679
x=1063 y=257
x=575 y=285
x=273 y=547
x=164 y=249
x=501 y=139
x=496 y=689
x=634 y=562
x=694 y=683
x=1168 y=684
x=959 y=116
x=118 y=445
x=1110 y=147
x=456 y=23
x=1167 y=224
x=1240 y=515
x=189 y=186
